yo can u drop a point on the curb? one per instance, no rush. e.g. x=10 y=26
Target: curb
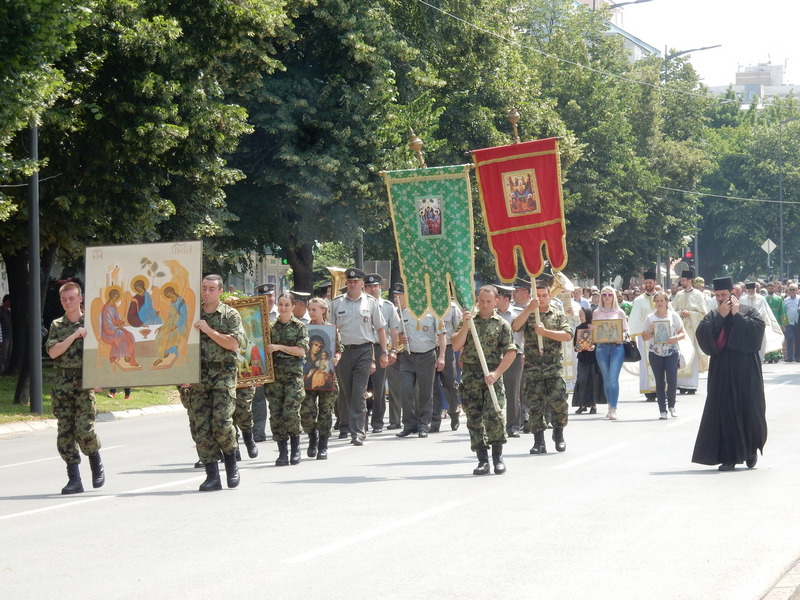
x=788 y=586
x=103 y=417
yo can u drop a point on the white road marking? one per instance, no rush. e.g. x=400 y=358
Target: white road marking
x=361 y=537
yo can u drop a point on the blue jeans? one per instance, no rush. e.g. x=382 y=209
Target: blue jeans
x=665 y=370
x=609 y=360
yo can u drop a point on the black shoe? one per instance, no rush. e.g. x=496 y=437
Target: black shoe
x=422 y=434
x=497 y=458
x=199 y=464
x=406 y=432
x=691 y=392
x=434 y=429
x=74 y=485
x=231 y=470
x=558 y=438
x=513 y=434
x=313 y=441
x=393 y=426
x=294 y=452
x=728 y=467
x=650 y=397
x=250 y=444
x=538 y=443
x=593 y=410
x=377 y=429
x=580 y=410
x=322 y=448
x=283 y=454
x=751 y=462
x=343 y=435
x=212 y=482
x=454 y=423
x=98 y=474
x=356 y=441
x=483 y=462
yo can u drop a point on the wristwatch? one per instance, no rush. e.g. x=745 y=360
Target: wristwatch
x=386 y=352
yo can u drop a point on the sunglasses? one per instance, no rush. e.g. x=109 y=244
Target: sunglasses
x=607 y=295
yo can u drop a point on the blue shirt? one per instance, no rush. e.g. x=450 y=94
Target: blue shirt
x=791 y=309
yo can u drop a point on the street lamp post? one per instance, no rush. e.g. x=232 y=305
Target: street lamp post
x=780 y=188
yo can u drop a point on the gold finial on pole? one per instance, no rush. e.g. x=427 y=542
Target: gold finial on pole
x=513 y=117
x=416 y=145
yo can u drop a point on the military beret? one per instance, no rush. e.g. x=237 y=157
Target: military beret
x=354 y=273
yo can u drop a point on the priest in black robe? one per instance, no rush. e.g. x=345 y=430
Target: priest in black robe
x=734 y=424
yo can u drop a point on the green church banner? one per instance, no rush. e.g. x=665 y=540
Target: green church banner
x=432 y=213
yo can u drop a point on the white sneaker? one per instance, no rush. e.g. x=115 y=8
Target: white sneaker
x=673 y=412
x=663 y=416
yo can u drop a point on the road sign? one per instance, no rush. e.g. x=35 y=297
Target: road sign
x=768 y=246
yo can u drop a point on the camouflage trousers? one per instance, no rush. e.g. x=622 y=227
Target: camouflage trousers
x=544 y=393
x=243 y=413
x=184 y=395
x=284 y=397
x=211 y=411
x=75 y=410
x=486 y=426
x=316 y=410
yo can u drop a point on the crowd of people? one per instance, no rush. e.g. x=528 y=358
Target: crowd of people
x=534 y=349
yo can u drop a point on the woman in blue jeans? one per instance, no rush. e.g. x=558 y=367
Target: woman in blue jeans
x=610 y=355
x=665 y=328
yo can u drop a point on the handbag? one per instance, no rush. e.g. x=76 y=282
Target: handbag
x=632 y=353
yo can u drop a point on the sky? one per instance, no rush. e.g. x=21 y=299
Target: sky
x=750 y=31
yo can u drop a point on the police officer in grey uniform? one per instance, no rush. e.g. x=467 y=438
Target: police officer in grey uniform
x=418 y=367
x=259 y=404
x=446 y=379
x=512 y=378
x=372 y=285
x=393 y=371
x=360 y=324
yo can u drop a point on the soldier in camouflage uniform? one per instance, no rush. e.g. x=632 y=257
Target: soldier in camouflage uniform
x=212 y=401
x=544 y=373
x=316 y=410
x=72 y=405
x=485 y=423
x=288 y=347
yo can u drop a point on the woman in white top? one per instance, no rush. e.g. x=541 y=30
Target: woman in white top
x=665 y=327
x=610 y=355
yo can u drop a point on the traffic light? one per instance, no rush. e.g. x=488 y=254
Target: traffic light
x=688 y=257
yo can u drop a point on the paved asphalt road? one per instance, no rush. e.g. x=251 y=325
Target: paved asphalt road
x=622 y=514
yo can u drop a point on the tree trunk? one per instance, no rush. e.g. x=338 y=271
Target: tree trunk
x=301 y=259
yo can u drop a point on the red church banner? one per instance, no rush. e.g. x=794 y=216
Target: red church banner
x=520 y=191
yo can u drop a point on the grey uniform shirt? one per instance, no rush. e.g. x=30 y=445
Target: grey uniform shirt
x=357 y=320
x=508 y=316
x=422 y=334
x=452 y=321
x=389 y=312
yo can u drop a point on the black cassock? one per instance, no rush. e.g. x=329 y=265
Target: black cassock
x=734 y=423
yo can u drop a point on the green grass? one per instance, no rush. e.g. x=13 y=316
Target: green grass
x=140 y=397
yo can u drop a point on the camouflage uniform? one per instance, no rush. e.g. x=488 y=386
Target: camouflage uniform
x=285 y=394
x=243 y=413
x=73 y=406
x=486 y=426
x=544 y=374
x=212 y=401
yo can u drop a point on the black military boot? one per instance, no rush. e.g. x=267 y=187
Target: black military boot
x=283 y=454
x=212 y=482
x=250 y=444
x=231 y=470
x=497 y=458
x=237 y=454
x=74 y=485
x=538 y=443
x=322 y=448
x=313 y=440
x=558 y=438
x=98 y=474
x=483 y=462
x=295 y=452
